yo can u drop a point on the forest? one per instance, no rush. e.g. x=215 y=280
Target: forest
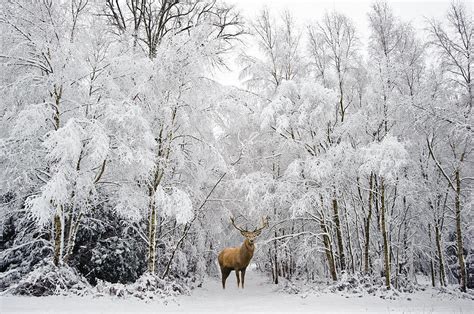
x=125 y=163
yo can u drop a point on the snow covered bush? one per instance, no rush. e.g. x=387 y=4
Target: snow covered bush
x=22 y=248
x=147 y=287
x=48 y=279
x=108 y=250
x=116 y=260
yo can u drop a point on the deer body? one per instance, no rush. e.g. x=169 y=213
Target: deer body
x=235 y=258
x=238 y=258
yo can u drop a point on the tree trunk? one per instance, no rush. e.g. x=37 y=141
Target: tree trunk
x=75 y=223
x=359 y=262
x=367 y=227
x=152 y=218
x=58 y=228
x=341 y=99
x=460 y=249
x=152 y=234
x=164 y=152
x=337 y=222
x=433 y=282
x=377 y=203
x=271 y=263
x=328 y=249
x=349 y=240
x=292 y=262
x=442 y=274
x=386 y=249
x=58 y=236
x=276 y=259
x=57 y=94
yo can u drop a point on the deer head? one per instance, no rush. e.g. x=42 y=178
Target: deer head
x=251 y=235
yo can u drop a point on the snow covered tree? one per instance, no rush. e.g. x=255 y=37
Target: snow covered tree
x=279 y=41
x=182 y=40
x=334 y=49
x=454 y=43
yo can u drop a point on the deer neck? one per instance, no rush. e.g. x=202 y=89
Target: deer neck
x=246 y=250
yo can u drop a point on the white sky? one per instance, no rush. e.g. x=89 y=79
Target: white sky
x=308 y=11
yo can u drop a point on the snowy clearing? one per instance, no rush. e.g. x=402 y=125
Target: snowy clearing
x=259 y=296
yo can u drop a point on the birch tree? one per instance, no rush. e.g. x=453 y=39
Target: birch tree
x=454 y=44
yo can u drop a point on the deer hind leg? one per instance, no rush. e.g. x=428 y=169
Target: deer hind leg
x=243 y=276
x=238 y=277
x=225 y=274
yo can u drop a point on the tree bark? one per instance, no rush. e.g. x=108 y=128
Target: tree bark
x=386 y=248
x=349 y=240
x=58 y=236
x=271 y=263
x=341 y=98
x=328 y=247
x=442 y=274
x=329 y=253
x=460 y=249
x=58 y=228
x=433 y=282
x=152 y=234
x=276 y=259
x=367 y=228
x=337 y=222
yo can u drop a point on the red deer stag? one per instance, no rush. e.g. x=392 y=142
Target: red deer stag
x=238 y=258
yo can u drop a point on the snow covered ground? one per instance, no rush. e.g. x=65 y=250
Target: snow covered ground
x=259 y=296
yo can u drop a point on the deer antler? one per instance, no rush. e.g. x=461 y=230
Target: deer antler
x=264 y=225
x=257 y=229
x=238 y=228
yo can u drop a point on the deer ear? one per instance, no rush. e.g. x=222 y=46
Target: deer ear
x=243 y=233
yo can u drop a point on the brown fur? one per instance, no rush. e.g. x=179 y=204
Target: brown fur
x=236 y=258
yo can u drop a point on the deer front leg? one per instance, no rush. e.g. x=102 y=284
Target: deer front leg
x=225 y=274
x=238 y=277
x=243 y=276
